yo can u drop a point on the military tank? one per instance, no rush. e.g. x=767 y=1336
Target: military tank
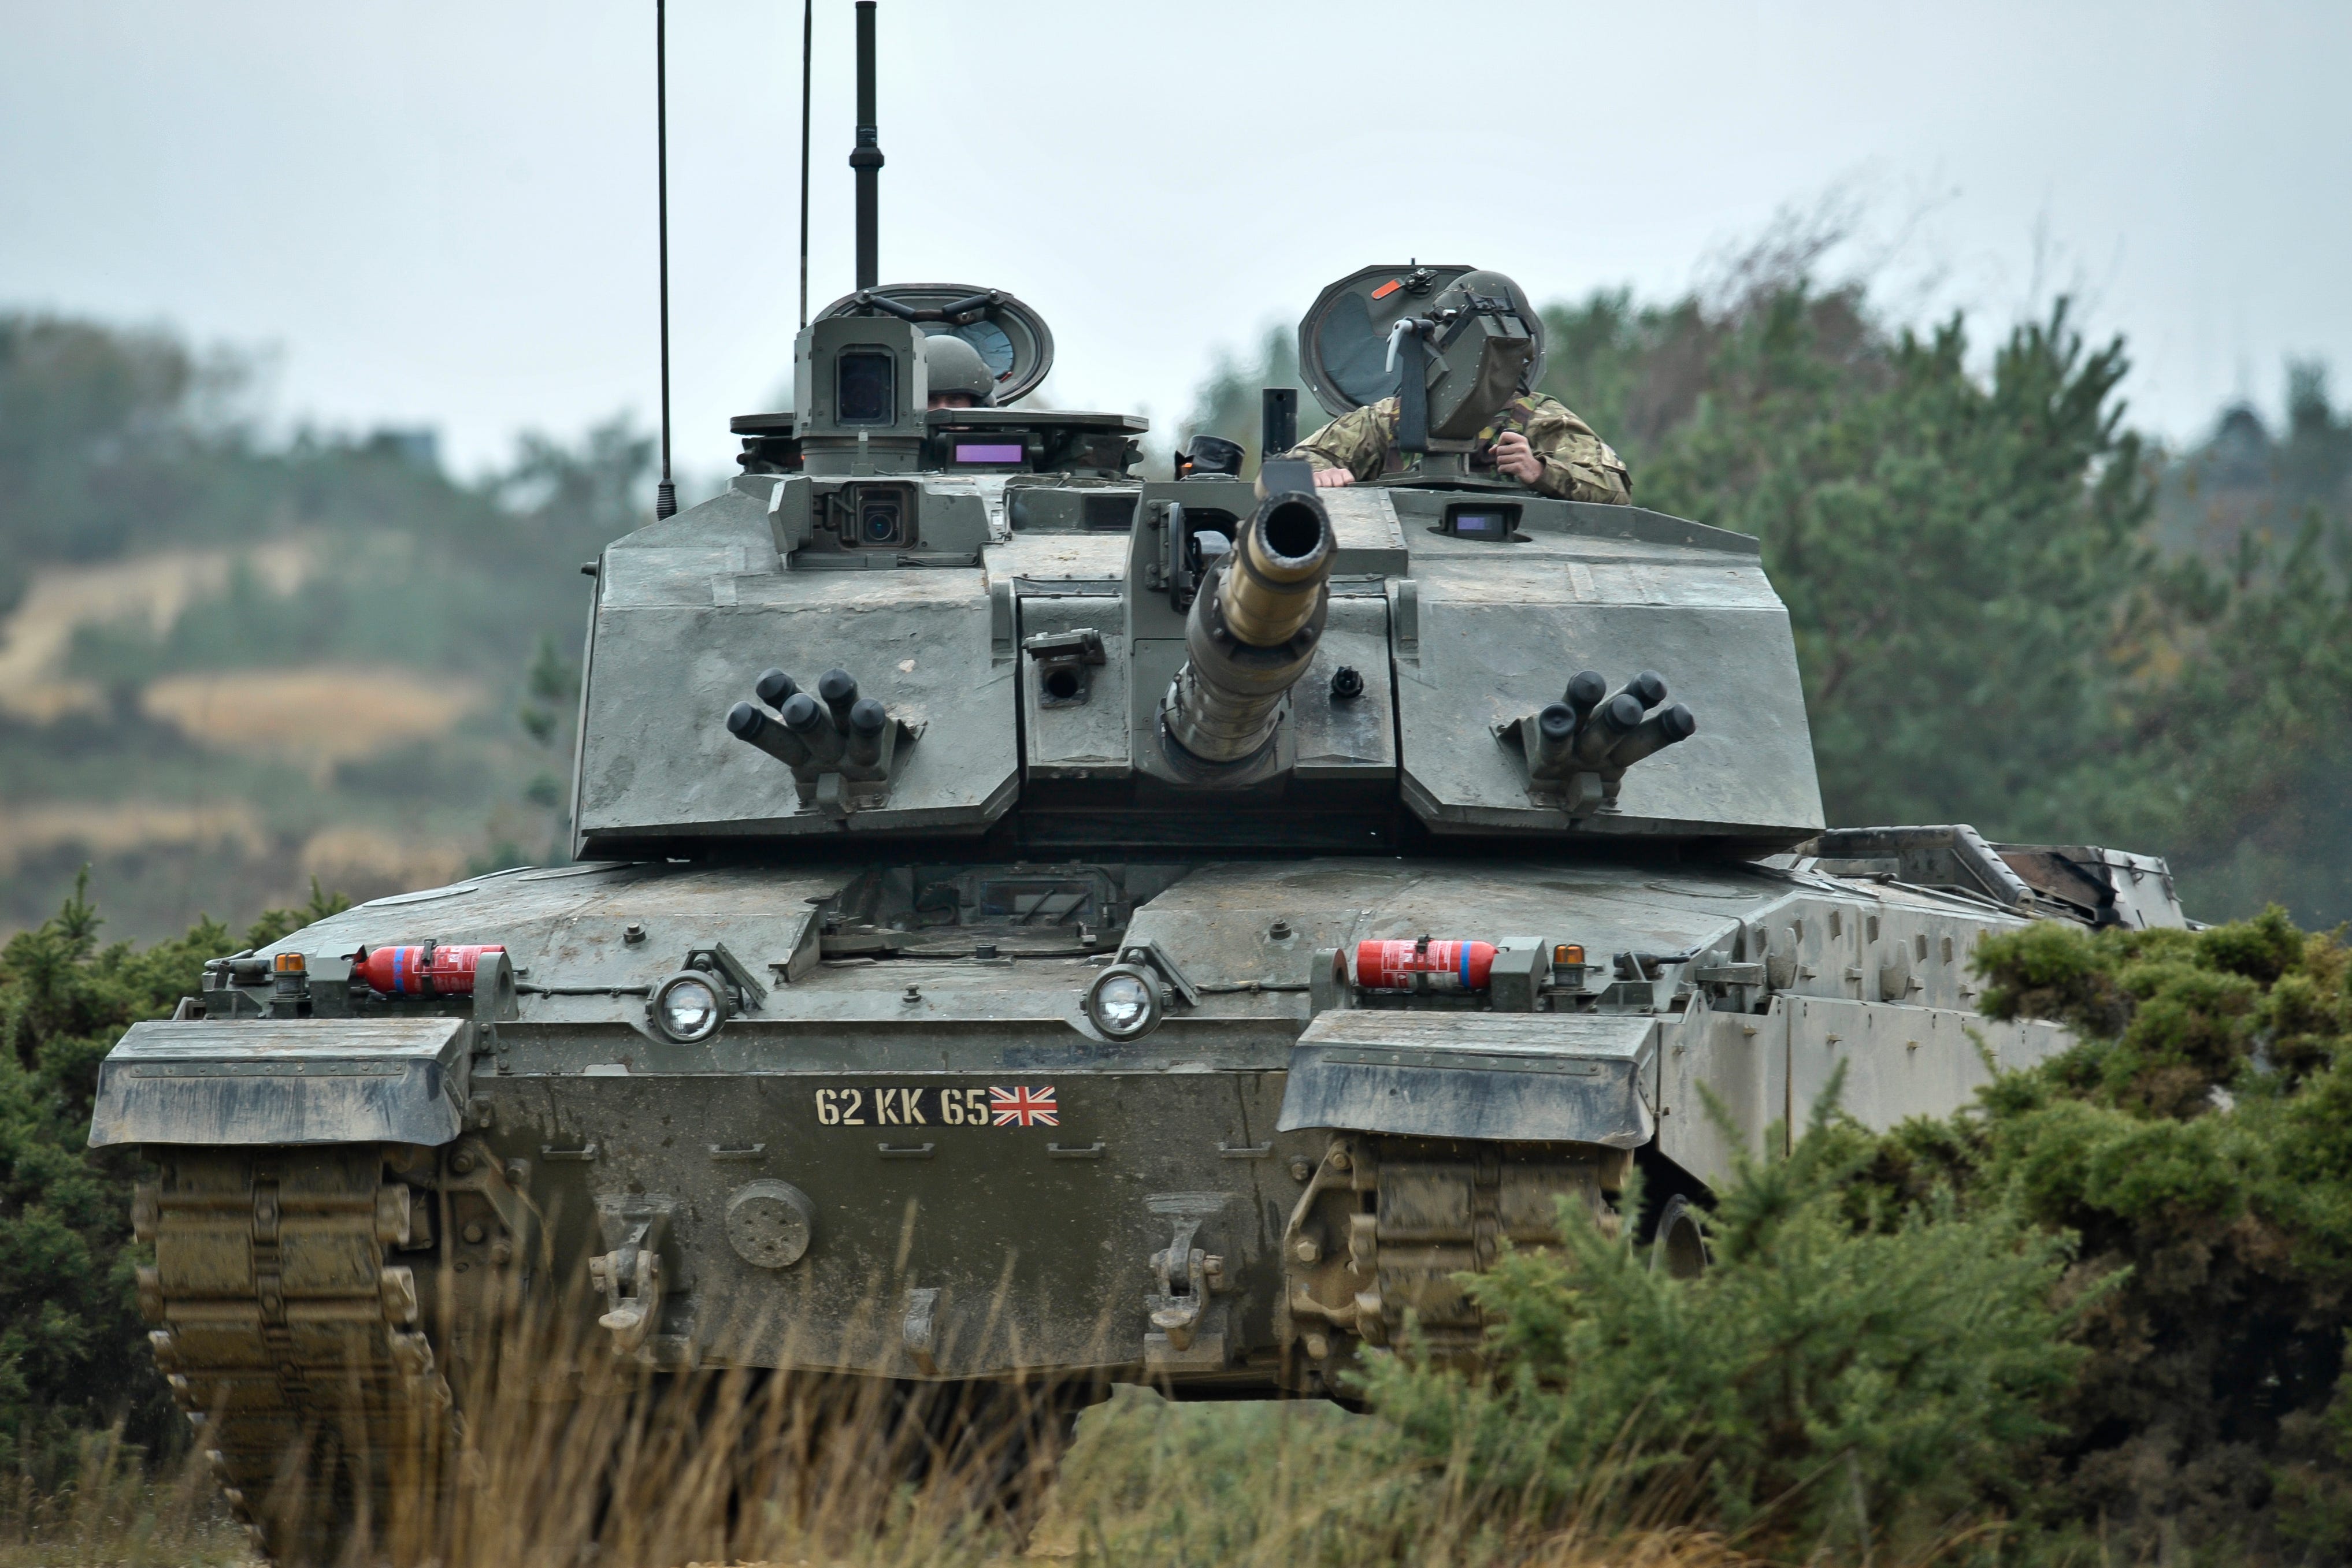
x=1034 y=923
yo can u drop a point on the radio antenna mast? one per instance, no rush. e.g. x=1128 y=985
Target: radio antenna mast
x=665 y=493
x=808 y=31
x=866 y=158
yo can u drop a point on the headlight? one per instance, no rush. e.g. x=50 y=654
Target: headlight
x=689 y=1007
x=1124 y=1002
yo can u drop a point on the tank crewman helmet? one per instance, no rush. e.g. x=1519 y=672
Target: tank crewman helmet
x=952 y=365
x=1481 y=353
x=1504 y=308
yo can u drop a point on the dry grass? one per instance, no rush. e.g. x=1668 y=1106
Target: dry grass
x=151 y=588
x=28 y=828
x=318 y=716
x=115 y=1511
x=653 y=1477
x=742 y=1470
x=573 y=1458
x=615 y=1482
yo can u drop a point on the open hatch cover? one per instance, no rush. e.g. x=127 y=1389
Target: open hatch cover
x=1012 y=339
x=1343 y=339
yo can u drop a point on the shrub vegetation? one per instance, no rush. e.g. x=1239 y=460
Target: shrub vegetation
x=2100 y=1316
x=73 y=1355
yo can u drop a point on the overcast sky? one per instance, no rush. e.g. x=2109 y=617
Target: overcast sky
x=442 y=214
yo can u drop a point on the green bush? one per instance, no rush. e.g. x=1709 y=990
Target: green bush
x=2199 y=1143
x=1824 y=1385
x=2099 y=1316
x=73 y=1353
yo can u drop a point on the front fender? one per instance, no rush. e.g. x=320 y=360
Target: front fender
x=286 y=1081
x=1583 y=1078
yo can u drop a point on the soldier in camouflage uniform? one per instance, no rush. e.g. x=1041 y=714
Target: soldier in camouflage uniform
x=1538 y=441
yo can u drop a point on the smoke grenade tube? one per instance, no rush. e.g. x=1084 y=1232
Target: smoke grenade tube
x=1610 y=724
x=1660 y=729
x=774 y=686
x=838 y=690
x=806 y=718
x=1585 y=690
x=1555 y=737
x=868 y=719
x=746 y=722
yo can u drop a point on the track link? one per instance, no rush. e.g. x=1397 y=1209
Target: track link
x=293 y=1343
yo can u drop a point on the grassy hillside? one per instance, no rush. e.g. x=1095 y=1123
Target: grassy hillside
x=229 y=665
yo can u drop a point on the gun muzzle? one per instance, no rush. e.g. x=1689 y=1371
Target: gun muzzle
x=1275 y=583
x=1254 y=628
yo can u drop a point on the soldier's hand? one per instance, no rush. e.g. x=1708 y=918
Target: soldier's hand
x=1513 y=457
x=1332 y=478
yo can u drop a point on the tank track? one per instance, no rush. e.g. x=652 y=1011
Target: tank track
x=1387 y=1226
x=292 y=1342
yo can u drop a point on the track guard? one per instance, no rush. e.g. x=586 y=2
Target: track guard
x=1548 y=1078
x=285 y=1081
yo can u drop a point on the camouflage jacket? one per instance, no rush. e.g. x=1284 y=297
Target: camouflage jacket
x=1578 y=465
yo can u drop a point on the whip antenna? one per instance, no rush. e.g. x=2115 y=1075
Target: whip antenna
x=868 y=157
x=665 y=493
x=808 y=30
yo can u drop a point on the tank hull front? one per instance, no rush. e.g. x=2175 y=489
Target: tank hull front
x=911 y=1150
x=1005 y=1203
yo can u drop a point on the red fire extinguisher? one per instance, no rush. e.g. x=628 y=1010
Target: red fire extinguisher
x=1424 y=966
x=431 y=970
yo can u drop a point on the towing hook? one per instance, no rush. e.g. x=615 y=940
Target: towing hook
x=630 y=1276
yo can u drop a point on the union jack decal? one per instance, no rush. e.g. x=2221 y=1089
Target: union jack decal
x=1024 y=1107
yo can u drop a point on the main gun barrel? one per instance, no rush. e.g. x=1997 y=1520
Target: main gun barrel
x=1253 y=630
